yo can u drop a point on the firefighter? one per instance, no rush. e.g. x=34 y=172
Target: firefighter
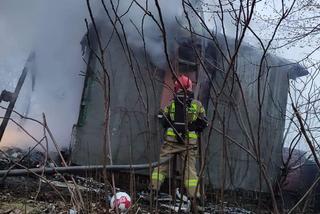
x=183 y=119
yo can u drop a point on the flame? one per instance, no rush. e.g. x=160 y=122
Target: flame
x=14 y=137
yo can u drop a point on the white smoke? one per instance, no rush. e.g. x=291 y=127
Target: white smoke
x=135 y=21
x=53 y=30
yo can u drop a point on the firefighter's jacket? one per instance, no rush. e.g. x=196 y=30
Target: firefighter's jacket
x=196 y=120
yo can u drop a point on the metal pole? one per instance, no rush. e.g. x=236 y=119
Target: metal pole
x=14 y=96
x=77 y=169
x=12 y=103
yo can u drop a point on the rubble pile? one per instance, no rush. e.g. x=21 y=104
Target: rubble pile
x=17 y=158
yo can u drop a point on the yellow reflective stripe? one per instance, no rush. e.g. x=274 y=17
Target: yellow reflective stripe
x=166 y=110
x=191 y=182
x=170 y=132
x=193 y=108
x=173 y=106
x=193 y=135
x=193 y=111
x=172 y=110
x=158 y=176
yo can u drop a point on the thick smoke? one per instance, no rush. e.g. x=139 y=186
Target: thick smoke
x=53 y=30
x=135 y=22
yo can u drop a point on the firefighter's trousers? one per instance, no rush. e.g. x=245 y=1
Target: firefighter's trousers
x=188 y=156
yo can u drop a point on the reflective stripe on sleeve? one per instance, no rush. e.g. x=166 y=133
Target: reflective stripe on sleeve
x=172 y=111
x=193 y=135
x=158 y=176
x=193 y=111
x=191 y=183
x=170 y=132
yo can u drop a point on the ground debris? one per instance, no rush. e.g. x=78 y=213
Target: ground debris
x=83 y=184
x=32 y=195
x=182 y=204
x=51 y=194
x=211 y=208
x=18 y=196
x=21 y=205
x=17 y=158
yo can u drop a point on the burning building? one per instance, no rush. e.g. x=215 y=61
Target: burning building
x=127 y=81
x=245 y=99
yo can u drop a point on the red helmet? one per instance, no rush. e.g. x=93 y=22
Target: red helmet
x=185 y=81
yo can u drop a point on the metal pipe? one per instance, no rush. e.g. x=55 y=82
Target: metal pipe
x=75 y=169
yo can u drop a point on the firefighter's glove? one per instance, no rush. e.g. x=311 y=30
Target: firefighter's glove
x=198 y=125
